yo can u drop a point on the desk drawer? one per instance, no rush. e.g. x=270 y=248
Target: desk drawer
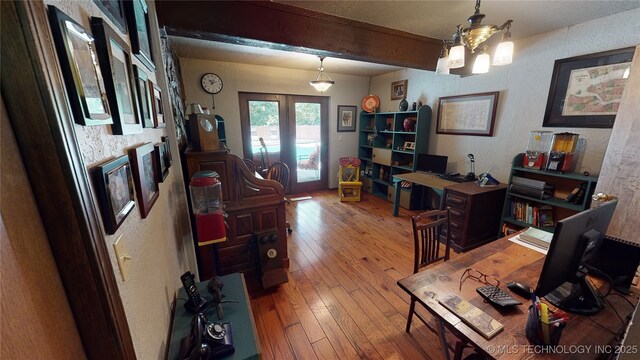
x=456 y=213
x=456 y=200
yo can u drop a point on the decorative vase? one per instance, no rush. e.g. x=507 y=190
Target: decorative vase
x=409 y=124
x=404 y=104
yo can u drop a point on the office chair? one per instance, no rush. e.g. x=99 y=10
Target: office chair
x=279 y=171
x=427 y=231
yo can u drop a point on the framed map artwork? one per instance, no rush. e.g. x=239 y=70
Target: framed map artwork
x=585 y=90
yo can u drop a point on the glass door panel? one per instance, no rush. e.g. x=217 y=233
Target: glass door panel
x=307 y=142
x=264 y=123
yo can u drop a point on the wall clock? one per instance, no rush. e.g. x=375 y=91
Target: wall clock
x=212 y=84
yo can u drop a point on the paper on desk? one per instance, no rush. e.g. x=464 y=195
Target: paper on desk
x=516 y=239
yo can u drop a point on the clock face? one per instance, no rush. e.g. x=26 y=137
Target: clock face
x=211 y=83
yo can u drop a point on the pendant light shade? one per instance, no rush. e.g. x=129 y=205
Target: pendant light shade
x=323 y=82
x=482 y=63
x=504 y=50
x=442 y=68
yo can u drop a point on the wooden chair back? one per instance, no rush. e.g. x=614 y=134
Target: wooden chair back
x=279 y=172
x=428 y=228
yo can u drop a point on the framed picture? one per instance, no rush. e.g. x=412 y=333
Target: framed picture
x=347 y=117
x=144 y=177
x=85 y=87
x=168 y=159
x=114 y=186
x=114 y=10
x=409 y=145
x=160 y=161
x=138 y=20
x=472 y=114
x=158 y=112
x=113 y=55
x=399 y=89
x=144 y=96
x=585 y=90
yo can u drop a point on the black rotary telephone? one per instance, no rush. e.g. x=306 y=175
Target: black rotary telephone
x=207 y=341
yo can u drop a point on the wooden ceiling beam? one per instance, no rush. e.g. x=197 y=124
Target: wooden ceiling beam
x=284 y=27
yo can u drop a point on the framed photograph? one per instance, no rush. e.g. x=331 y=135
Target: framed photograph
x=115 y=61
x=168 y=159
x=144 y=96
x=585 y=90
x=85 y=87
x=138 y=20
x=347 y=117
x=160 y=161
x=158 y=112
x=114 y=185
x=399 y=89
x=114 y=10
x=472 y=114
x=409 y=145
x=144 y=177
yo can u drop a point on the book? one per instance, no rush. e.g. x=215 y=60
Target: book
x=537 y=237
x=479 y=320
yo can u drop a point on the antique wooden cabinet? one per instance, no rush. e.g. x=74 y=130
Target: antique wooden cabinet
x=252 y=205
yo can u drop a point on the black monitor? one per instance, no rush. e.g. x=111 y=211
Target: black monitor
x=576 y=240
x=436 y=164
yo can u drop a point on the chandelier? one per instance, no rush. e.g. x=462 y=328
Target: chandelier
x=473 y=37
x=323 y=82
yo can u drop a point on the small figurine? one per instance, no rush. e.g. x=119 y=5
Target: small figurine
x=419 y=104
x=413 y=106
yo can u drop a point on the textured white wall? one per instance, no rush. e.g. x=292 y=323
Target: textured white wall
x=523 y=86
x=161 y=245
x=348 y=90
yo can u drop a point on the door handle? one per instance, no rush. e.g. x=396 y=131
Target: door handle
x=602 y=197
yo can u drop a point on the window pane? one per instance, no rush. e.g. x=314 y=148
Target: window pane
x=308 y=141
x=264 y=120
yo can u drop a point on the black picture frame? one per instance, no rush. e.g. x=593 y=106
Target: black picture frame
x=158 y=110
x=347 y=118
x=144 y=177
x=114 y=10
x=571 y=76
x=114 y=185
x=115 y=62
x=143 y=96
x=168 y=158
x=160 y=161
x=76 y=51
x=139 y=27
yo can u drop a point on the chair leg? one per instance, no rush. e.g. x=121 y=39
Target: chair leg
x=443 y=340
x=412 y=309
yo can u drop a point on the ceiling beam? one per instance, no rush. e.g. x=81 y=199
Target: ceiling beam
x=284 y=27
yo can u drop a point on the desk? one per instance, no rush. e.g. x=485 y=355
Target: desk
x=429 y=180
x=239 y=314
x=508 y=261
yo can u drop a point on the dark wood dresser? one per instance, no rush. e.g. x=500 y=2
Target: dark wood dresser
x=252 y=205
x=474 y=214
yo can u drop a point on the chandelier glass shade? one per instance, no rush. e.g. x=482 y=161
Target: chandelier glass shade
x=322 y=82
x=476 y=35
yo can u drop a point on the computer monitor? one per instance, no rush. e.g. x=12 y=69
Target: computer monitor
x=436 y=164
x=576 y=240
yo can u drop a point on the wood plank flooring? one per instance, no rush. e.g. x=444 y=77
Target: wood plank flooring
x=342 y=300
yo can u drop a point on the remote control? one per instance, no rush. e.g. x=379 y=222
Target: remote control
x=519 y=289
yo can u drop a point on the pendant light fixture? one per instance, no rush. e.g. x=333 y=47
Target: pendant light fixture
x=442 y=68
x=323 y=82
x=482 y=63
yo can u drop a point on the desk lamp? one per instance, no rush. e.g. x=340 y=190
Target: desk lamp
x=472 y=174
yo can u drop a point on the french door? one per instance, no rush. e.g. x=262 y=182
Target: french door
x=294 y=129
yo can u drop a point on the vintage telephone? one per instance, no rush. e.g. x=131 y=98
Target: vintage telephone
x=485 y=179
x=196 y=302
x=207 y=341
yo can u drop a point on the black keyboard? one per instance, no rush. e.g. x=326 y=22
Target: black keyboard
x=495 y=295
x=458 y=179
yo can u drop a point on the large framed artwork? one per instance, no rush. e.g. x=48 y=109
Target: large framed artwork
x=472 y=114
x=115 y=62
x=114 y=10
x=347 y=118
x=585 y=90
x=144 y=96
x=144 y=177
x=114 y=185
x=138 y=20
x=82 y=77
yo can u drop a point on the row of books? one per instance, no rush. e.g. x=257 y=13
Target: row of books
x=536 y=215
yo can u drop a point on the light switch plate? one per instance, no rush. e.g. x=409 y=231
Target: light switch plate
x=123 y=258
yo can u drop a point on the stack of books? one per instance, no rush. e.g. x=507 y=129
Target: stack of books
x=537 y=238
x=532 y=188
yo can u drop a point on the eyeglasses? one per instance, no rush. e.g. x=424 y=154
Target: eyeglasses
x=479 y=276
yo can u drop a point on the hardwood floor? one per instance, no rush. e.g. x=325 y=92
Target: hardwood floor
x=342 y=300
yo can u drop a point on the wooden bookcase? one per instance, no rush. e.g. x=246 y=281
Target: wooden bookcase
x=556 y=207
x=383 y=150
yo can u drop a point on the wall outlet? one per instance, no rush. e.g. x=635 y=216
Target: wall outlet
x=124 y=260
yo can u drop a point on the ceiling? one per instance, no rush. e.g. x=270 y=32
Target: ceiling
x=436 y=19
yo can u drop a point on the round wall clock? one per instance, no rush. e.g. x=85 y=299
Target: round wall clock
x=211 y=83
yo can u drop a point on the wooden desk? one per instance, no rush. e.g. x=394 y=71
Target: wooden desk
x=245 y=339
x=429 y=180
x=508 y=261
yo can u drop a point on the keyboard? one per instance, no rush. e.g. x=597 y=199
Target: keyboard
x=496 y=296
x=457 y=178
